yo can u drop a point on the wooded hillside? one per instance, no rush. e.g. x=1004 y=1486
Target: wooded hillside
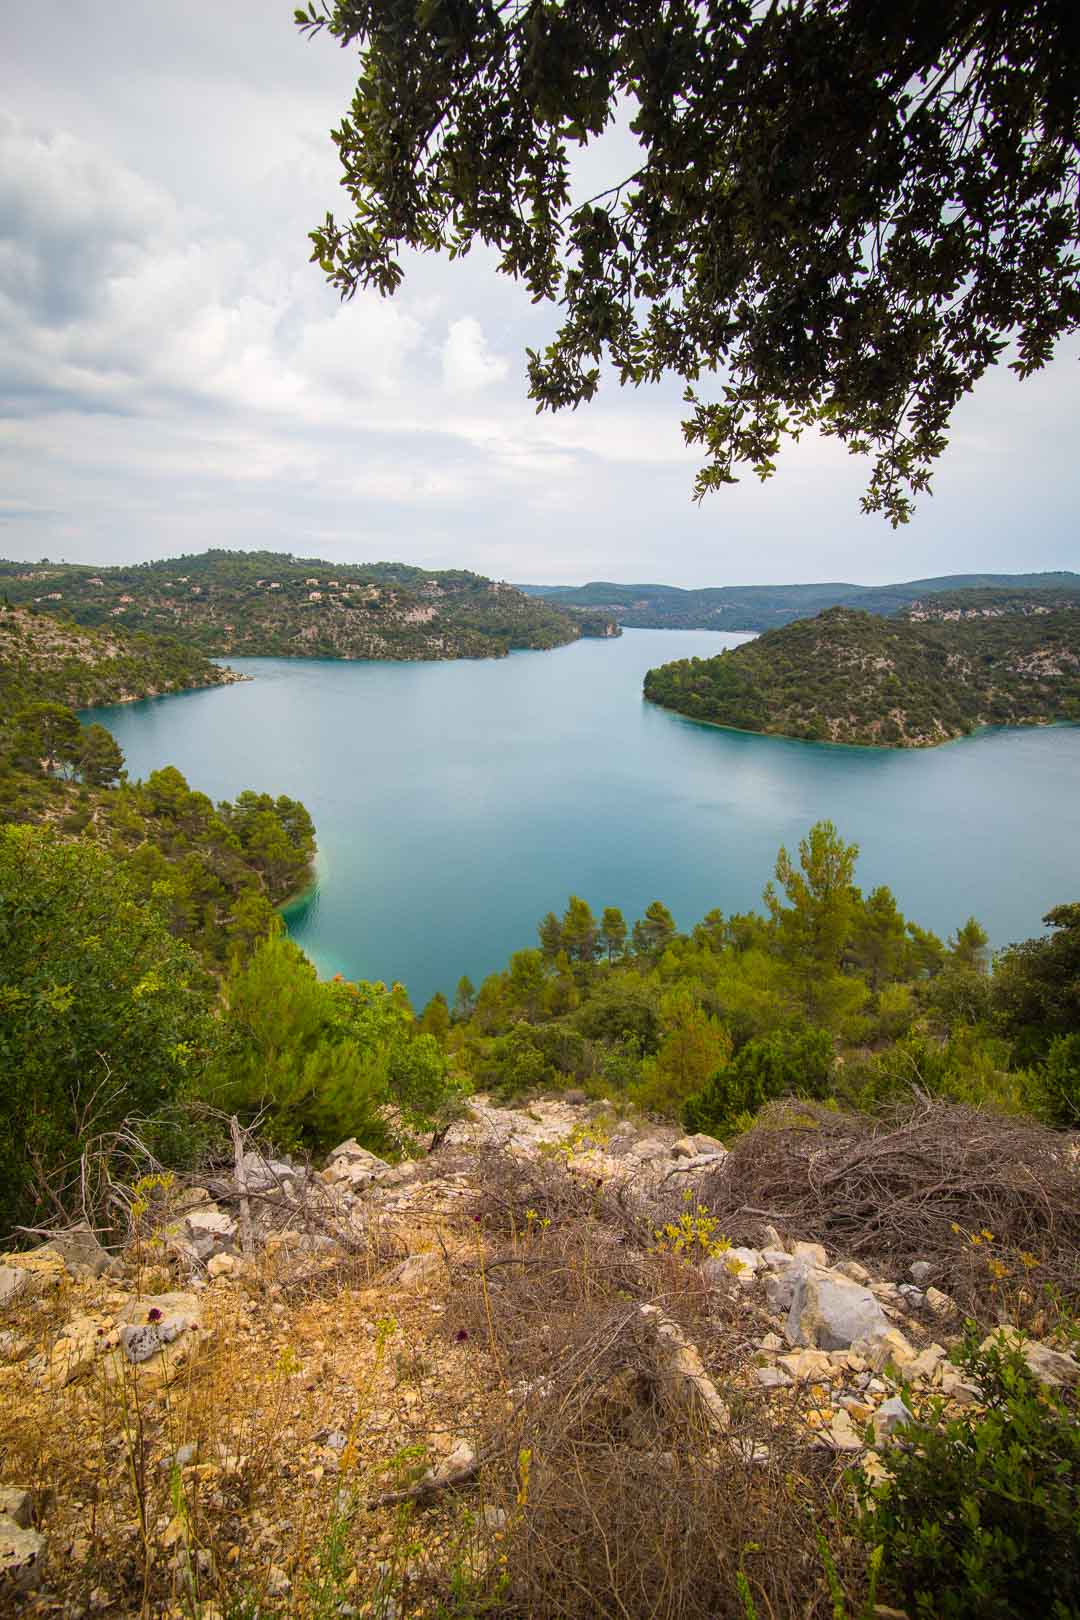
x=266 y=604
x=43 y=659
x=851 y=677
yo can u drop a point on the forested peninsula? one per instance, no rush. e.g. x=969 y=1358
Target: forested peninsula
x=214 y=872
x=268 y=604
x=42 y=657
x=851 y=677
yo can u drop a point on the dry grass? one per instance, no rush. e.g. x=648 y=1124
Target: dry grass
x=619 y=1496
x=602 y=1487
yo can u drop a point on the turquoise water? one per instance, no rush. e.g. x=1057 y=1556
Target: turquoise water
x=456 y=803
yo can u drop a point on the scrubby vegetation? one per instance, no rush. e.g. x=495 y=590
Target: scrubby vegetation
x=829 y=994
x=979 y=1513
x=108 y=1017
x=52 y=659
x=888 y=1094
x=849 y=677
x=269 y=604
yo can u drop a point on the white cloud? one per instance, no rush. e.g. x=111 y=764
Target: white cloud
x=468 y=364
x=174 y=373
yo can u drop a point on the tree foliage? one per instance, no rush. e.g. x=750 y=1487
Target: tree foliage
x=103 y=1015
x=315 y=1062
x=847 y=207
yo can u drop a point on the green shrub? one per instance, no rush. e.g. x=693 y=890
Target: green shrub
x=317 y=1062
x=1057 y=1082
x=103 y=1015
x=971 y=1066
x=796 y=1063
x=979 y=1517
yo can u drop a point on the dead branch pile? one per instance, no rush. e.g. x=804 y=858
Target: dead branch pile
x=918 y=1185
x=631 y=1471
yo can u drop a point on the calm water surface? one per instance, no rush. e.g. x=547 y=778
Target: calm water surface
x=456 y=803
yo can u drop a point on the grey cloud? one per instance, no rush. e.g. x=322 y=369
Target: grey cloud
x=174 y=373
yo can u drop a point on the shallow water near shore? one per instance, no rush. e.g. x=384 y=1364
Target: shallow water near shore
x=455 y=803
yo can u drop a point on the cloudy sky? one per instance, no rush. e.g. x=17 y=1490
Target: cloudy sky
x=174 y=374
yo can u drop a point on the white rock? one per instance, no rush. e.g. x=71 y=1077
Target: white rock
x=1051 y=1367
x=926 y=1363
x=841 y=1433
x=21 y=1553
x=890 y=1416
x=853 y=1270
x=13 y=1282
x=939 y=1303
x=209 y=1231
x=733 y=1265
x=749 y=1259
x=890 y=1346
x=833 y=1313
x=151 y=1323
x=813 y=1253
x=221 y=1265
x=15 y=1504
x=772 y=1377
x=810 y=1364
x=699 y=1146
x=920 y=1272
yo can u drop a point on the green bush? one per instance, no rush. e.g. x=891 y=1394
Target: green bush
x=979 y=1517
x=795 y=1063
x=316 y=1062
x=1057 y=1082
x=103 y=1015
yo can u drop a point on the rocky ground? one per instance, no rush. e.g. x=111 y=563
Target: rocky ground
x=311 y=1391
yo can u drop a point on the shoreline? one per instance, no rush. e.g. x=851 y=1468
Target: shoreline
x=871 y=748
x=316 y=875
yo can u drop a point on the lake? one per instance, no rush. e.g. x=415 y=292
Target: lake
x=456 y=803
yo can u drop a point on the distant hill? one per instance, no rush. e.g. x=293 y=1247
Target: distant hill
x=763 y=607
x=270 y=604
x=853 y=677
x=48 y=660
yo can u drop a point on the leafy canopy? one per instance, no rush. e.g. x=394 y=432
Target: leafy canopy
x=847 y=207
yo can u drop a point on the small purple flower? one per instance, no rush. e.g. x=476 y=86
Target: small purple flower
x=461 y=1335
x=478 y=1219
x=153 y=1314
